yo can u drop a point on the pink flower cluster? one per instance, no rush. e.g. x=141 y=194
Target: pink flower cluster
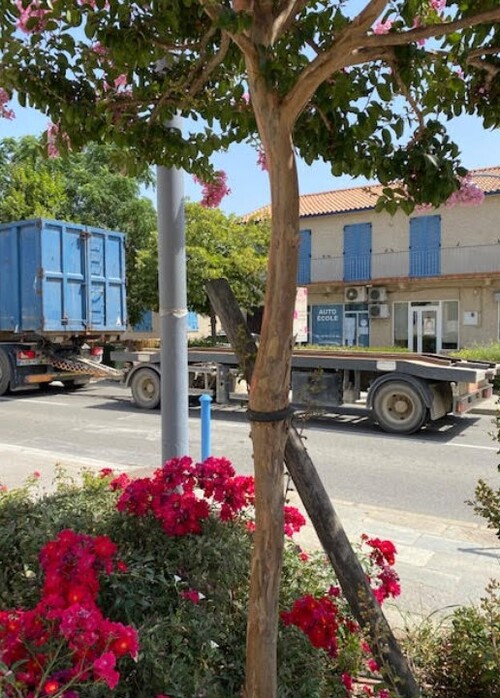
x=5 y=112
x=382 y=27
x=53 y=136
x=213 y=192
x=383 y=555
x=262 y=159
x=65 y=640
x=438 y=5
x=169 y=495
x=32 y=18
x=468 y=194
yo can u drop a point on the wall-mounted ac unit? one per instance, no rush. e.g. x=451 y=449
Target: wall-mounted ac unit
x=379 y=310
x=376 y=294
x=355 y=294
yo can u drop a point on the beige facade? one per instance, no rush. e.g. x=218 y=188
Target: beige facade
x=430 y=281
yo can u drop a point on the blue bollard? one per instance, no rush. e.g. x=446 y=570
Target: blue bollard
x=206 y=446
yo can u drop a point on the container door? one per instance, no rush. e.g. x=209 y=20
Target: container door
x=64 y=274
x=107 y=281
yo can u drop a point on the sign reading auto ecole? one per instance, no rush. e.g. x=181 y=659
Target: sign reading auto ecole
x=327 y=323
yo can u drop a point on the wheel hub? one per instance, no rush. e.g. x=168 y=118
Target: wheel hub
x=401 y=406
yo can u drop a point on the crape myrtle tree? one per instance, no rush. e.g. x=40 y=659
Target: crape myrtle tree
x=366 y=85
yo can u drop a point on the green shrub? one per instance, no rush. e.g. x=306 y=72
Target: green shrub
x=187 y=650
x=460 y=658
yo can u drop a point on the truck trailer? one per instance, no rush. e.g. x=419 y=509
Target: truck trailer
x=402 y=392
x=62 y=296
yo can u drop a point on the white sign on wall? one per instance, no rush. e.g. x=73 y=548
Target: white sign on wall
x=300 y=315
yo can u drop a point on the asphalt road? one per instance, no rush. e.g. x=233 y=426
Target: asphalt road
x=430 y=473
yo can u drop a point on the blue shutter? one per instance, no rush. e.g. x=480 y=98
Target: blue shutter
x=145 y=323
x=304 y=270
x=192 y=321
x=425 y=246
x=358 y=252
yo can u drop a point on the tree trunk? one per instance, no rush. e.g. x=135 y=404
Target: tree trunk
x=213 y=325
x=328 y=526
x=268 y=401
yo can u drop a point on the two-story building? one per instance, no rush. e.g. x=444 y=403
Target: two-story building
x=429 y=282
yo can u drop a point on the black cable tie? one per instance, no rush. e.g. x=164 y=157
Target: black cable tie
x=277 y=416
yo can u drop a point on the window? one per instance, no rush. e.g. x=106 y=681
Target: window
x=400 y=324
x=425 y=246
x=304 y=269
x=450 y=325
x=357 y=252
x=192 y=321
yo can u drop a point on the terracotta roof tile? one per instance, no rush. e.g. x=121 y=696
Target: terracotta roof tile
x=365 y=197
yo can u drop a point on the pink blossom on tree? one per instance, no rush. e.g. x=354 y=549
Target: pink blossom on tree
x=120 y=81
x=213 y=192
x=438 y=5
x=53 y=136
x=262 y=159
x=99 y=49
x=5 y=113
x=32 y=12
x=469 y=194
x=382 y=27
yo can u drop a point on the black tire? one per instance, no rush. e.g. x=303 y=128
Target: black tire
x=398 y=408
x=4 y=372
x=145 y=386
x=76 y=384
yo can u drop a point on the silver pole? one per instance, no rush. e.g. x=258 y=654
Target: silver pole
x=173 y=310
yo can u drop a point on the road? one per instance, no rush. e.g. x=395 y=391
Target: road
x=431 y=473
x=411 y=490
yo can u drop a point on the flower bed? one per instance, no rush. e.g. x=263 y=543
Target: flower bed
x=139 y=588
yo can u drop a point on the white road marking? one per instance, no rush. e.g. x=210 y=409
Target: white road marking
x=482 y=448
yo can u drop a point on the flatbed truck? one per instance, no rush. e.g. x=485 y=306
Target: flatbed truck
x=401 y=391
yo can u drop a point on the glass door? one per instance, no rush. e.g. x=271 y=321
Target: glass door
x=425 y=324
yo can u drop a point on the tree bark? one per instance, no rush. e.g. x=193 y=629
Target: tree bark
x=322 y=514
x=268 y=399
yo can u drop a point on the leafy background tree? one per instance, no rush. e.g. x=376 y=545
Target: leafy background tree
x=216 y=246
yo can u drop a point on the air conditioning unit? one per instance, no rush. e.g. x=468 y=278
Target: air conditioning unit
x=355 y=294
x=376 y=294
x=379 y=310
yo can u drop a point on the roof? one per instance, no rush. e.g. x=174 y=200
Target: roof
x=365 y=197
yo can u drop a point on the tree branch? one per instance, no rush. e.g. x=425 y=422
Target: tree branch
x=352 y=47
x=210 y=66
x=431 y=31
x=407 y=95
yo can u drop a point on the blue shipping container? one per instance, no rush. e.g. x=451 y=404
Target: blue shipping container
x=61 y=277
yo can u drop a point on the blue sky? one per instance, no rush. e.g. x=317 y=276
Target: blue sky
x=249 y=184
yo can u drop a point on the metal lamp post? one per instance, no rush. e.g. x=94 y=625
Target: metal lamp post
x=173 y=309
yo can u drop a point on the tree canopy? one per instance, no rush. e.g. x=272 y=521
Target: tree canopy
x=366 y=92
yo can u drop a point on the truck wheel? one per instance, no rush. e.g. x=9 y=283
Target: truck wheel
x=398 y=408
x=4 y=372
x=145 y=386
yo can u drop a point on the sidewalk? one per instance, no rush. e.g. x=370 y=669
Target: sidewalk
x=441 y=562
